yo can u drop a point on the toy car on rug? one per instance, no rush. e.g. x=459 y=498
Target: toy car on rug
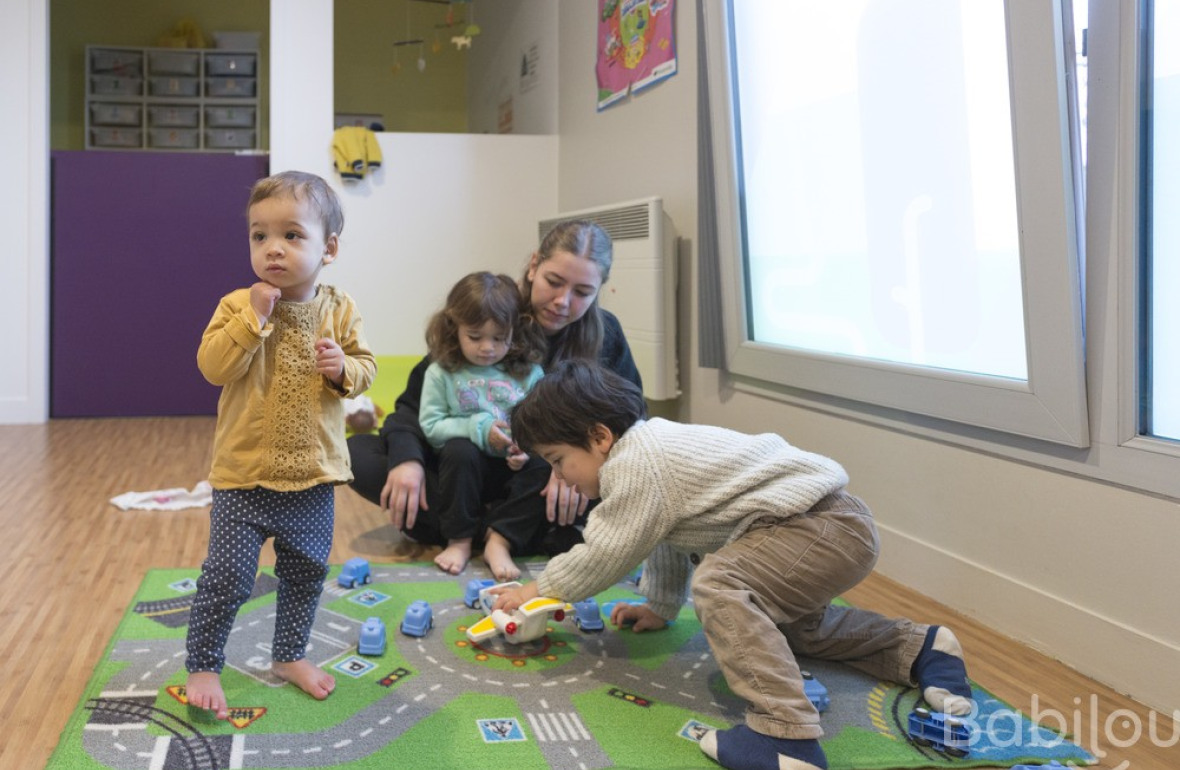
x=355 y=572
x=372 y=637
x=941 y=732
x=419 y=618
x=524 y=624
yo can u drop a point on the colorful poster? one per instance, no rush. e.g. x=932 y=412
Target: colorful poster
x=636 y=47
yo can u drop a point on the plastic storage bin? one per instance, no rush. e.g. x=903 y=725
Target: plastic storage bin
x=174 y=63
x=176 y=138
x=229 y=139
x=116 y=137
x=114 y=114
x=237 y=41
x=174 y=116
x=230 y=64
x=230 y=87
x=114 y=85
x=229 y=117
x=121 y=63
x=174 y=86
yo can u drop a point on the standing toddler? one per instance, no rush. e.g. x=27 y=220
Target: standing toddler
x=286 y=353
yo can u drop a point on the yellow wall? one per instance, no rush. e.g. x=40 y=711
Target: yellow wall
x=431 y=100
x=74 y=24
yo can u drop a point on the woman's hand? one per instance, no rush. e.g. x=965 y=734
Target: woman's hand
x=640 y=615
x=563 y=503
x=404 y=494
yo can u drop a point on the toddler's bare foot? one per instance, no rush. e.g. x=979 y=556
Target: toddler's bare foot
x=306 y=676
x=455 y=556
x=498 y=557
x=203 y=691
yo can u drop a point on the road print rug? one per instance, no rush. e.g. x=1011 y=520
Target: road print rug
x=570 y=700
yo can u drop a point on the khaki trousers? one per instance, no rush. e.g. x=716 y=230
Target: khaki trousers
x=766 y=596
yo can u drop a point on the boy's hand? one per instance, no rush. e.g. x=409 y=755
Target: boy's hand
x=263 y=297
x=639 y=614
x=329 y=360
x=509 y=599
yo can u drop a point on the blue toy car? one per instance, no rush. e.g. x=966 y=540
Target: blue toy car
x=474 y=586
x=942 y=732
x=372 y=641
x=586 y=615
x=419 y=618
x=815 y=692
x=1054 y=765
x=355 y=572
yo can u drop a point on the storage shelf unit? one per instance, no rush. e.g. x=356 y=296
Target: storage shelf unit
x=186 y=99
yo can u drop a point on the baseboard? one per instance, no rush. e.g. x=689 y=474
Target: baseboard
x=1129 y=661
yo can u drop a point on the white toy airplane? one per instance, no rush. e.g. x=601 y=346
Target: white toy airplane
x=524 y=624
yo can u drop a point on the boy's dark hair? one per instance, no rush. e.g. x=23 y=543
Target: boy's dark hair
x=569 y=401
x=476 y=299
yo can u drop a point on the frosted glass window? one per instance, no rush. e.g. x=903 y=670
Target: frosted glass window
x=896 y=193
x=1163 y=402
x=876 y=157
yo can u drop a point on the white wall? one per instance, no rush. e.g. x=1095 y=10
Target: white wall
x=440 y=206
x=644 y=145
x=24 y=212
x=1080 y=569
x=512 y=31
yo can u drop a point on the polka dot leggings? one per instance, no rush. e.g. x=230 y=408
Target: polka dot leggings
x=240 y=522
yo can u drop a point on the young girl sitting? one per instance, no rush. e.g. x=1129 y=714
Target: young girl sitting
x=772 y=534
x=482 y=364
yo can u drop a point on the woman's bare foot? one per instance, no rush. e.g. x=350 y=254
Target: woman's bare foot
x=203 y=691
x=306 y=676
x=498 y=557
x=455 y=556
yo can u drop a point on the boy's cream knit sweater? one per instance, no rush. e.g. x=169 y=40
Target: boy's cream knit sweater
x=670 y=490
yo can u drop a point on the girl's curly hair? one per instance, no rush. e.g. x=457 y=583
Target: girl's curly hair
x=476 y=299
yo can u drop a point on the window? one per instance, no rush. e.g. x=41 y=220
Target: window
x=896 y=208
x=1127 y=71
x=1161 y=230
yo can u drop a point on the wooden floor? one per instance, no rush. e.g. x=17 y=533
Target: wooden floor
x=75 y=562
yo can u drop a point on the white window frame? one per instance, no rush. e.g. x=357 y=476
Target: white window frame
x=1117 y=453
x=1114 y=173
x=1051 y=405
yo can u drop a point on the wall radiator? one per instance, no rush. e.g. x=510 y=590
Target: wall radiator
x=642 y=286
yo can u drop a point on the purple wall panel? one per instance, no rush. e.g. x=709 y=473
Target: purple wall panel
x=144 y=245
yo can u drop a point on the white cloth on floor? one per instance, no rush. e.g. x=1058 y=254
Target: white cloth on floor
x=166 y=499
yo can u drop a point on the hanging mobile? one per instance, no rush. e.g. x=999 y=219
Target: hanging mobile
x=472 y=28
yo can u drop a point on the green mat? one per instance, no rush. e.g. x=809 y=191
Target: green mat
x=568 y=700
